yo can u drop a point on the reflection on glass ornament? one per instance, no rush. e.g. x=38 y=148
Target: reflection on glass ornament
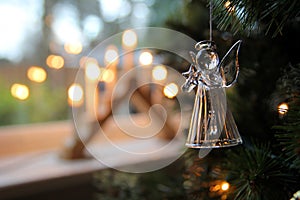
x=212 y=124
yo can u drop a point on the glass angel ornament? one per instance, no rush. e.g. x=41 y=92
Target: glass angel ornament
x=212 y=124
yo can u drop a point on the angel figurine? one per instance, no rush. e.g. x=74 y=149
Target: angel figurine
x=212 y=124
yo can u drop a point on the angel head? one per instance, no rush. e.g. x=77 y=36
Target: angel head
x=206 y=59
x=207 y=69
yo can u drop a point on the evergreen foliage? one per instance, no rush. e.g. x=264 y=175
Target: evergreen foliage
x=269 y=16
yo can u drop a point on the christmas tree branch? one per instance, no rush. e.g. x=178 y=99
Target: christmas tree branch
x=250 y=16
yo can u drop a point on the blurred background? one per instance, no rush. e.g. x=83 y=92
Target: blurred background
x=42 y=43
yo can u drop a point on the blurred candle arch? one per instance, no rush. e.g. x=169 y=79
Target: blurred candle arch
x=19 y=91
x=159 y=73
x=146 y=58
x=55 y=61
x=73 y=47
x=36 y=74
x=92 y=69
x=75 y=95
x=111 y=55
x=171 y=90
x=107 y=75
x=129 y=39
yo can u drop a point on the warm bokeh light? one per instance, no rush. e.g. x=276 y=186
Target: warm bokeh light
x=92 y=70
x=225 y=186
x=215 y=188
x=111 y=54
x=227 y=4
x=283 y=108
x=146 y=58
x=19 y=91
x=170 y=90
x=159 y=73
x=129 y=38
x=229 y=7
x=74 y=47
x=55 y=61
x=75 y=95
x=36 y=74
x=107 y=75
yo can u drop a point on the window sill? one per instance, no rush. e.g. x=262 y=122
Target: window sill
x=30 y=160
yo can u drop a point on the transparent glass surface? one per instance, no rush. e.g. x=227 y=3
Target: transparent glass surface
x=212 y=124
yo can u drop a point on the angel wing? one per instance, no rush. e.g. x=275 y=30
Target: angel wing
x=229 y=65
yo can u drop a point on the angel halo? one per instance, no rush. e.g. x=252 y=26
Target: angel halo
x=212 y=124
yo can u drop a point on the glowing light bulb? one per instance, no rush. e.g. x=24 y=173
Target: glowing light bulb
x=146 y=58
x=159 y=73
x=229 y=7
x=129 y=38
x=170 y=90
x=283 y=108
x=36 y=74
x=19 y=91
x=225 y=186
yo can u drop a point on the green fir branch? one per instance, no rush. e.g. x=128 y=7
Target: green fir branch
x=255 y=173
x=288 y=134
x=269 y=16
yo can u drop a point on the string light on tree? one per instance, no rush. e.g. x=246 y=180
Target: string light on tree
x=283 y=108
x=225 y=186
x=229 y=6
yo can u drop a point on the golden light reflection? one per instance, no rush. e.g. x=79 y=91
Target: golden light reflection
x=146 y=58
x=107 y=75
x=229 y=7
x=55 y=61
x=215 y=188
x=92 y=70
x=170 y=90
x=129 y=38
x=19 y=91
x=283 y=108
x=74 y=47
x=36 y=74
x=75 y=95
x=159 y=73
x=111 y=54
x=227 y=4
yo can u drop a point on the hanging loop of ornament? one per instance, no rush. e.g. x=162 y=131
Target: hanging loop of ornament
x=212 y=124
